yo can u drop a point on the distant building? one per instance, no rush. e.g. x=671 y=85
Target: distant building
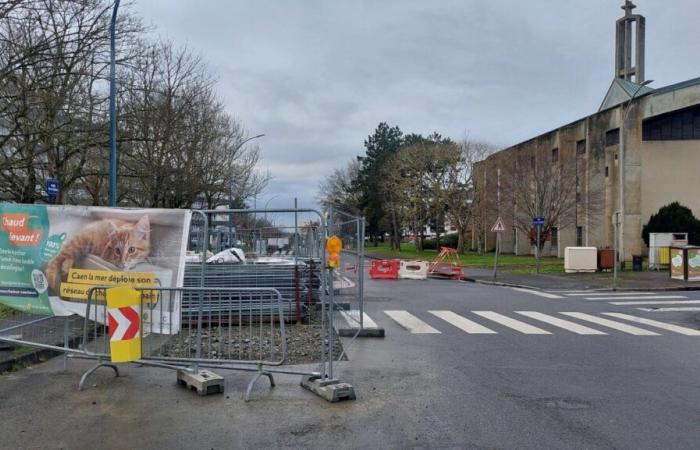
x=661 y=158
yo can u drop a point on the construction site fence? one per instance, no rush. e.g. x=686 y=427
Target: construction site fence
x=229 y=315
x=348 y=279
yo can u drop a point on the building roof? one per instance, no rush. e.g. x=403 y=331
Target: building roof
x=622 y=90
x=625 y=87
x=676 y=86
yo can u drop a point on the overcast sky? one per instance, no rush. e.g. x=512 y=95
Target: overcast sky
x=316 y=77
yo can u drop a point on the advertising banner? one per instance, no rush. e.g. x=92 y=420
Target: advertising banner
x=50 y=256
x=677 y=263
x=693 y=264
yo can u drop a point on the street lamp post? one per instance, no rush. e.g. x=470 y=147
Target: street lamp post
x=230 y=196
x=230 y=191
x=619 y=216
x=113 y=110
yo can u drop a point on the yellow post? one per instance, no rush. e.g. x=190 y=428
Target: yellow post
x=124 y=317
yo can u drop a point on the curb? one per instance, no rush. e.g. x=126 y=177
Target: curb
x=31 y=358
x=525 y=286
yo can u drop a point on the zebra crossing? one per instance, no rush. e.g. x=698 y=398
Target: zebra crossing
x=526 y=322
x=643 y=301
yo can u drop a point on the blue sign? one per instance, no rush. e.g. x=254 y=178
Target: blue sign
x=538 y=220
x=52 y=187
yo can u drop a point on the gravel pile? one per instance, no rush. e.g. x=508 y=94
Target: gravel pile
x=251 y=343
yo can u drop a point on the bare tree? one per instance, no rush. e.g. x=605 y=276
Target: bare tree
x=52 y=92
x=247 y=180
x=541 y=185
x=459 y=186
x=338 y=189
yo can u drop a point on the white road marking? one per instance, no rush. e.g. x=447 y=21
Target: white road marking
x=680 y=302
x=352 y=317
x=411 y=322
x=657 y=324
x=462 y=323
x=561 y=323
x=680 y=308
x=650 y=297
x=609 y=293
x=511 y=323
x=539 y=293
x=611 y=324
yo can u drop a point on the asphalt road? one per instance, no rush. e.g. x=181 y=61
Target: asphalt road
x=436 y=387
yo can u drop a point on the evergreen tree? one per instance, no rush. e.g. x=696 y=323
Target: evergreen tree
x=673 y=218
x=384 y=143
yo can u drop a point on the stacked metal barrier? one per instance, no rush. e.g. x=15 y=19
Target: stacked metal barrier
x=296 y=282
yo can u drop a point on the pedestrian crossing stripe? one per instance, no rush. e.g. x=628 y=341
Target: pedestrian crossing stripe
x=561 y=323
x=415 y=325
x=650 y=297
x=464 y=324
x=656 y=323
x=538 y=293
x=511 y=323
x=411 y=322
x=608 y=293
x=644 y=302
x=623 y=327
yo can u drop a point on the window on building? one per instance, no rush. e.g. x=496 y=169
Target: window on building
x=555 y=238
x=678 y=125
x=532 y=162
x=579 y=236
x=607 y=171
x=581 y=147
x=555 y=155
x=612 y=137
x=578 y=197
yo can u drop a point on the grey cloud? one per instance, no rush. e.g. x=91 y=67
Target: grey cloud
x=318 y=76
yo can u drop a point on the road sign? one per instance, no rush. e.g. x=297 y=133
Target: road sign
x=52 y=187
x=123 y=306
x=499 y=226
x=539 y=220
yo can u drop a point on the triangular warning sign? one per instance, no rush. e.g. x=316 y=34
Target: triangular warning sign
x=499 y=226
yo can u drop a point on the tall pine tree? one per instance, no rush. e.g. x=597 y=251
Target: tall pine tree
x=381 y=146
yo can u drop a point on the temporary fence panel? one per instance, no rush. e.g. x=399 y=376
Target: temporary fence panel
x=223 y=326
x=230 y=315
x=283 y=249
x=348 y=278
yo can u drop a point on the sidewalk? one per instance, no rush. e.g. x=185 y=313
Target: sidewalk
x=632 y=281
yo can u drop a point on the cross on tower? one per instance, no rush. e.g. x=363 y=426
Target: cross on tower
x=629 y=49
x=628 y=7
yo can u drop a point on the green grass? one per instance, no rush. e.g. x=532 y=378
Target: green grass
x=512 y=263
x=6 y=311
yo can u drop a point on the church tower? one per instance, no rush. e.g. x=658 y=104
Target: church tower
x=629 y=47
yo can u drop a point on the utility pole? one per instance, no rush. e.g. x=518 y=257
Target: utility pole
x=620 y=214
x=113 y=109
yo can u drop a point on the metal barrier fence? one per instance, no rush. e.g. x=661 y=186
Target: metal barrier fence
x=226 y=328
x=233 y=314
x=348 y=279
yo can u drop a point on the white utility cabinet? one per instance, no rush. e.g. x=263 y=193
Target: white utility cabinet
x=580 y=259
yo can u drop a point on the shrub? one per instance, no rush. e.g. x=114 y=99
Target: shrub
x=447 y=240
x=673 y=218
